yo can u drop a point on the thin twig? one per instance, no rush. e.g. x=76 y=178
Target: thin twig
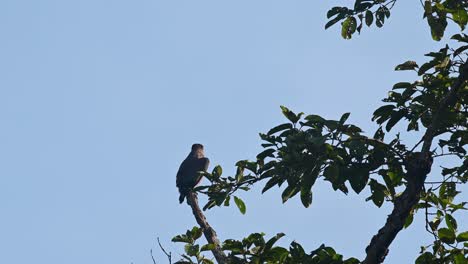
x=152 y=257
x=445 y=154
x=168 y=255
x=417 y=144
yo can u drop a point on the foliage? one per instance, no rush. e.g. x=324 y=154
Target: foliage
x=254 y=249
x=307 y=148
x=369 y=12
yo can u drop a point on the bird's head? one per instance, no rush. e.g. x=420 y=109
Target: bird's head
x=198 y=150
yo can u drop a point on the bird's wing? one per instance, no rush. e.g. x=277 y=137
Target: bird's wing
x=181 y=172
x=203 y=164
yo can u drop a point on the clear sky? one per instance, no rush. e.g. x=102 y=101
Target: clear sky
x=101 y=100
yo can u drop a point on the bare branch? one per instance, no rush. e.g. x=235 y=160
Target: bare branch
x=152 y=257
x=168 y=255
x=208 y=231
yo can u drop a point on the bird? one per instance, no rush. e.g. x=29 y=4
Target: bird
x=188 y=175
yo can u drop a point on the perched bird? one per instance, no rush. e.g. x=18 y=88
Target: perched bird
x=188 y=175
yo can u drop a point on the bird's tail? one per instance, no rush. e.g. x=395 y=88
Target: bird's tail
x=181 y=198
x=183 y=192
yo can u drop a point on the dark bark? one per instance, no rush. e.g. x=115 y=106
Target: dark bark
x=208 y=231
x=418 y=166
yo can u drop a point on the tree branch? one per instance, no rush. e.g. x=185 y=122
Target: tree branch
x=152 y=257
x=447 y=102
x=418 y=166
x=168 y=255
x=208 y=231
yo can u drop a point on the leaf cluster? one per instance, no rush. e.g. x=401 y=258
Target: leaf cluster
x=369 y=12
x=449 y=244
x=255 y=249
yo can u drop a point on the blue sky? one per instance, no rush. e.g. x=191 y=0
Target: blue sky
x=100 y=101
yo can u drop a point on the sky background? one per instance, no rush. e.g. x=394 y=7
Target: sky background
x=100 y=101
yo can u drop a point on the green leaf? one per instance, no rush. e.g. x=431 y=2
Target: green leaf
x=183 y=261
x=437 y=23
x=278 y=254
x=233 y=245
x=336 y=10
x=206 y=261
x=252 y=166
x=378 y=198
x=425 y=258
x=358 y=179
x=451 y=222
x=459 y=258
x=331 y=172
x=460 y=37
x=333 y=21
x=289 y=192
x=426 y=66
x=266 y=153
x=379 y=134
x=196 y=233
x=192 y=250
x=296 y=250
x=182 y=238
x=226 y=202
x=279 y=128
x=344 y=117
x=386 y=11
x=209 y=204
x=240 y=204
x=351 y=261
x=460 y=16
x=379 y=23
x=408 y=65
x=290 y=115
x=377 y=191
x=402 y=85
x=462 y=237
x=208 y=247
x=217 y=171
x=394 y=119
x=380 y=15
x=460 y=50
x=255 y=239
x=316 y=119
x=332 y=124
x=269 y=244
x=446 y=235
x=272 y=182
x=434 y=223
x=351 y=129
x=306 y=197
x=348 y=27
x=409 y=220
x=369 y=18
x=382 y=113
x=239 y=174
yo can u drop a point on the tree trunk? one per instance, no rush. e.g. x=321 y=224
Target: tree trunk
x=417 y=169
x=418 y=165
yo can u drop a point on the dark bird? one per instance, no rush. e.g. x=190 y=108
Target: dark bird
x=188 y=175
